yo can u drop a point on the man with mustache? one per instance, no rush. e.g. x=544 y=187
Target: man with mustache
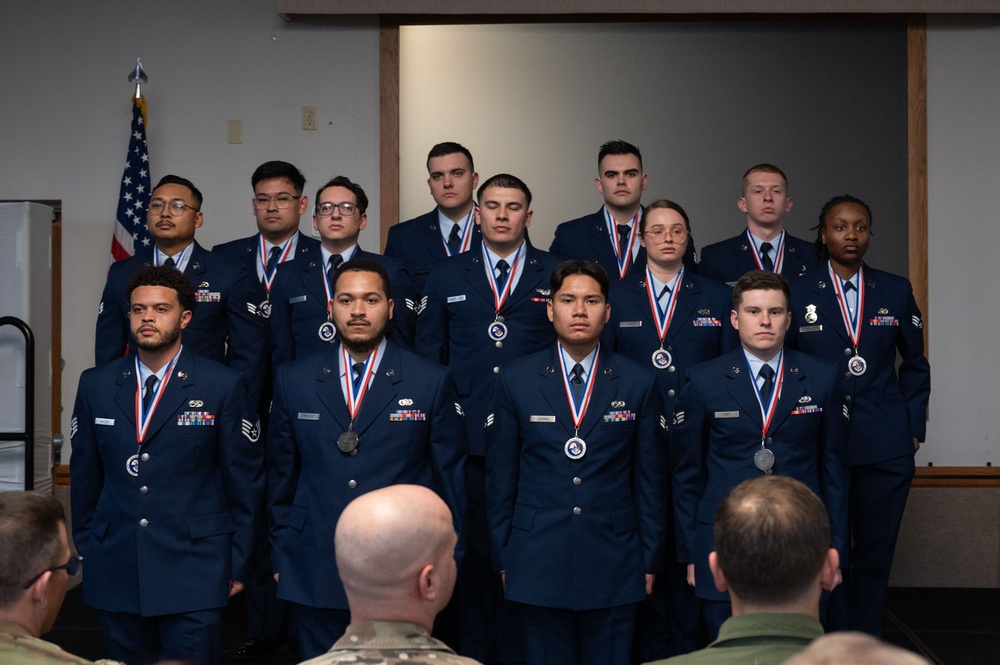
x=361 y=415
x=167 y=477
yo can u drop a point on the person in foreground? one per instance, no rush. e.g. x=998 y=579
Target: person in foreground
x=854 y=648
x=33 y=539
x=395 y=550
x=772 y=554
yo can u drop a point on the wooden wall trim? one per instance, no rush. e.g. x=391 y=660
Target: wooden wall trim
x=388 y=93
x=916 y=75
x=957 y=476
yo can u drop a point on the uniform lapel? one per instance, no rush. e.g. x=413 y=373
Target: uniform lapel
x=605 y=388
x=313 y=274
x=125 y=388
x=182 y=375
x=741 y=386
x=532 y=274
x=828 y=307
x=792 y=388
x=196 y=265
x=687 y=300
x=330 y=391
x=476 y=277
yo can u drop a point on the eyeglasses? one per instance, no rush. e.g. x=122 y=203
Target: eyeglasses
x=72 y=567
x=281 y=201
x=657 y=235
x=346 y=209
x=175 y=206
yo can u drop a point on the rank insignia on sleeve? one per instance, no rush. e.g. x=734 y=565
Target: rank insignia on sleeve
x=251 y=430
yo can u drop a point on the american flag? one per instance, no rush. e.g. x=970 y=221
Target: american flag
x=133 y=197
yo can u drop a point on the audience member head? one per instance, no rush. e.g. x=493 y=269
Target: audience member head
x=772 y=547
x=395 y=550
x=35 y=561
x=851 y=648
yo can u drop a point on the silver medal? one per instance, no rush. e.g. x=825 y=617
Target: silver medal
x=662 y=359
x=265 y=309
x=857 y=365
x=763 y=459
x=327 y=332
x=132 y=465
x=497 y=331
x=575 y=447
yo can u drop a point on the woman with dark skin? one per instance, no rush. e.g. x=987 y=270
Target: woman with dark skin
x=860 y=318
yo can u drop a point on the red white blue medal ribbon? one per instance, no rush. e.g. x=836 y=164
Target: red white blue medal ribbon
x=143 y=417
x=851 y=323
x=500 y=294
x=578 y=410
x=286 y=248
x=778 y=253
x=623 y=261
x=767 y=412
x=662 y=317
x=466 y=235
x=356 y=395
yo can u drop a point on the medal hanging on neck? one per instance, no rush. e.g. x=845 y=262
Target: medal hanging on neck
x=327 y=331
x=575 y=447
x=497 y=330
x=286 y=248
x=778 y=253
x=143 y=417
x=466 y=235
x=661 y=357
x=763 y=459
x=347 y=442
x=856 y=365
x=623 y=261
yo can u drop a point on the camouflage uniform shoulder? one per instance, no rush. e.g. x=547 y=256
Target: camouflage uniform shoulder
x=18 y=649
x=389 y=643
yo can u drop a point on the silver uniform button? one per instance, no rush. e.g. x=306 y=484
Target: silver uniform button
x=143 y=490
x=847 y=398
x=577 y=510
x=352 y=483
x=577 y=481
x=144 y=522
x=499 y=345
x=671 y=392
x=145 y=457
x=769 y=441
x=496 y=370
x=848 y=351
x=671 y=369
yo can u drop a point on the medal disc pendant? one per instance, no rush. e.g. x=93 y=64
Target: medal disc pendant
x=265 y=309
x=347 y=441
x=132 y=465
x=763 y=459
x=857 y=365
x=661 y=359
x=327 y=332
x=497 y=331
x=575 y=447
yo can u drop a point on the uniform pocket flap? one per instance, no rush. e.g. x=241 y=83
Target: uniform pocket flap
x=624 y=520
x=523 y=518
x=216 y=524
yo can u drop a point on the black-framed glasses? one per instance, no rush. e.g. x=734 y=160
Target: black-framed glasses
x=175 y=206
x=72 y=567
x=281 y=201
x=347 y=209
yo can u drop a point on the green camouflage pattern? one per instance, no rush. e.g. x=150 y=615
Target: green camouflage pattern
x=18 y=648
x=389 y=643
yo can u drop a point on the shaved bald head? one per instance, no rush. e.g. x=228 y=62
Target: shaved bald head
x=395 y=551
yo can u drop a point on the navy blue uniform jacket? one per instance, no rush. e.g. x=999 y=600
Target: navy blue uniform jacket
x=728 y=260
x=717 y=430
x=700 y=329
x=576 y=534
x=245 y=250
x=298 y=306
x=452 y=330
x=225 y=326
x=888 y=406
x=169 y=540
x=587 y=239
x=418 y=244
x=410 y=430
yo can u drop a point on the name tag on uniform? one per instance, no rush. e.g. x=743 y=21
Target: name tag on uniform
x=104 y=421
x=630 y=324
x=805 y=329
x=727 y=414
x=308 y=416
x=541 y=419
x=296 y=299
x=460 y=298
